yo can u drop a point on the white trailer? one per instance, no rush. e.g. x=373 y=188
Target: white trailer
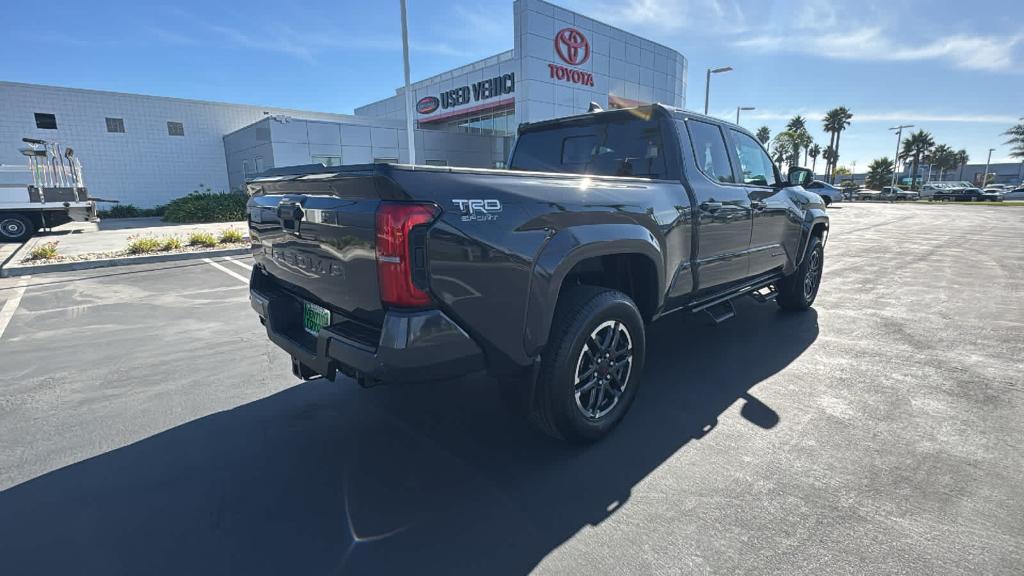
x=46 y=193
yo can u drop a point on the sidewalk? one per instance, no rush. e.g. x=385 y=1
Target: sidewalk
x=94 y=245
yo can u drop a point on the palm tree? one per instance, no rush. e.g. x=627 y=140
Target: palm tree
x=787 y=146
x=764 y=135
x=829 y=155
x=1016 y=134
x=798 y=126
x=814 y=151
x=916 y=146
x=836 y=120
x=879 y=173
x=943 y=158
x=962 y=158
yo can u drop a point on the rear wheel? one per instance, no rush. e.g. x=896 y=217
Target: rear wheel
x=798 y=290
x=15 y=228
x=591 y=366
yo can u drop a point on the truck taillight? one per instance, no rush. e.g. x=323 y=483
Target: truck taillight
x=401 y=252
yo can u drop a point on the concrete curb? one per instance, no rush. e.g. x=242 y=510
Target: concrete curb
x=13 y=269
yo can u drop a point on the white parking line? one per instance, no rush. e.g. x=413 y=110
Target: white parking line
x=225 y=270
x=240 y=263
x=7 y=312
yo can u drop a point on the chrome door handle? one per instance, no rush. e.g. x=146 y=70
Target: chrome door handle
x=758 y=205
x=710 y=206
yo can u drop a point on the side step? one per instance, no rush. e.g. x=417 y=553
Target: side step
x=721 y=312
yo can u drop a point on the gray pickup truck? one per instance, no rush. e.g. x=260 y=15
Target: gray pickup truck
x=543 y=275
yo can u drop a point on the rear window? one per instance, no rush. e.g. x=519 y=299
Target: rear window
x=629 y=147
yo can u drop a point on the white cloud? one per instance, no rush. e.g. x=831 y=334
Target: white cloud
x=993 y=52
x=664 y=15
x=815 y=116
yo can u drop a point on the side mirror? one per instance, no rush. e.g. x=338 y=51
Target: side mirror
x=800 y=176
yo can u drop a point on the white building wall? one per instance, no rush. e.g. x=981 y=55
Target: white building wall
x=144 y=165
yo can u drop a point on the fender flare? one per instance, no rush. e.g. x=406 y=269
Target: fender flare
x=812 y=218
x=563 y=251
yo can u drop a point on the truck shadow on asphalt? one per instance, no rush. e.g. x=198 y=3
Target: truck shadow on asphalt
x=440 y=478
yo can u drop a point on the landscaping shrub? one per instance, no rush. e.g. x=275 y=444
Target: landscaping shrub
x=46 y=251
x=205 y=205
x=130 y=211
x=199 y=238
x=171 y=243
x=231 y=236
x=144 y=244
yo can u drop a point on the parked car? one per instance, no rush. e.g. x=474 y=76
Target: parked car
x=828 y=192
x=1015 y=194
x=896 y=193
x=543 y=275
x=991 y=195
x=958 y=193
x=867 y=194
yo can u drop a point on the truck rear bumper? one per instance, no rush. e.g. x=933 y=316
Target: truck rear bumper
x=413 y=346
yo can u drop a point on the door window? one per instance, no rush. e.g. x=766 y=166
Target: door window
x=710 y=152
x=756 y=166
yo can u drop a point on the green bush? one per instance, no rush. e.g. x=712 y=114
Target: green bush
x=130 y=211
x=144 y=244
x=46 y=251
x=199 y=238
x=231 y=236
x=171 y=243
x=204 y=205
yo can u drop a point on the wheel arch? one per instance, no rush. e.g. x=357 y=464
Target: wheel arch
x=586 y=253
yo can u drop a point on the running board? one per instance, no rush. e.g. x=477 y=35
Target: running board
x=721 y=312
x=754 y=286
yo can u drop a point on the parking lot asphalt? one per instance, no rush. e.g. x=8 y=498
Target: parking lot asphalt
x=148 y=426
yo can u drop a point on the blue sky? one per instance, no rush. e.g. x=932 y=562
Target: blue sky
x=955 y=69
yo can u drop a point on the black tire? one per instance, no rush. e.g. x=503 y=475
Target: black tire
x=828 y=201
x=16 y=228
x=798 y=290
x=578 y=411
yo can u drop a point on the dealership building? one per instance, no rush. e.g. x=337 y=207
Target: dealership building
x=147 y=150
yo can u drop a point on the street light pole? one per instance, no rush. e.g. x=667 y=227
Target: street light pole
x=984 y=176
x=707 y=84
x=738 y=108
x=409 y=121
x=895 y=160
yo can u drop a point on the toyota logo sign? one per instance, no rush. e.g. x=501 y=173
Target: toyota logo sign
x=427 y=104
x=572 y=46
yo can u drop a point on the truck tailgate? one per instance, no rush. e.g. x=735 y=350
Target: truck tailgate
x=316 y=240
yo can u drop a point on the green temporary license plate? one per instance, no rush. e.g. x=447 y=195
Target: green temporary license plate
x=314 y=317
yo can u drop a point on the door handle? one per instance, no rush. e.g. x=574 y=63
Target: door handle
x=710 y=206
x=758 y=205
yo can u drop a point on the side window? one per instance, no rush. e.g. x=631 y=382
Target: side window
x=709 y=151
x=756 y=166
x=619 y=147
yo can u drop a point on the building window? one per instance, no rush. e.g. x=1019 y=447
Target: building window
x=175 y=129
x=115 y=125
x=327 y=160
x=259 y=164
x=246 y=169
x=46 y=121
x=437 y=162
x=385 y=160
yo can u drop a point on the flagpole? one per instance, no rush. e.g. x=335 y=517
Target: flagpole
x=409 y=121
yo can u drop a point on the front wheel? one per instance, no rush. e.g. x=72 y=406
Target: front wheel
x=15 y=228
x=590 y=370
x=798 y=290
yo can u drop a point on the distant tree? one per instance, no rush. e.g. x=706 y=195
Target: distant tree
x=835 y=121
x=944 y=158
x=797 y=124
x=764 y=134
x=814 y=151
x=916 y=146
x=786 y=145
x=829 y=154
x=841 y=171
x=961 y=159
x=879 y=173
x=1016 y=141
